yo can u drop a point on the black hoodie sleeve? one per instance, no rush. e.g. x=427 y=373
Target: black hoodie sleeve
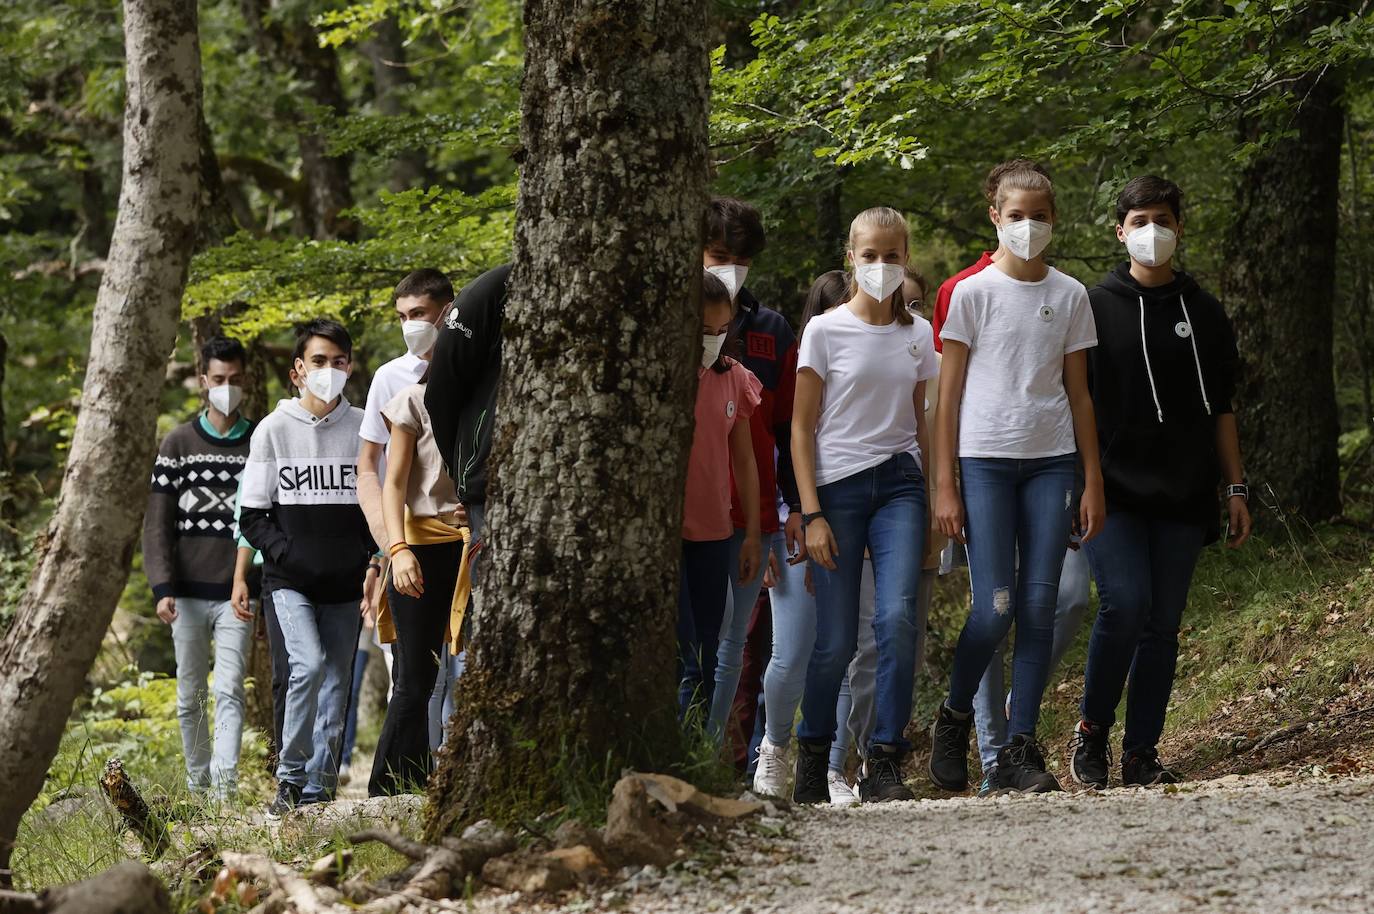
x=1222 y=362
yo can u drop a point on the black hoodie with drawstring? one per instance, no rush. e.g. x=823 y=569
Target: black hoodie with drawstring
x=1163 y=370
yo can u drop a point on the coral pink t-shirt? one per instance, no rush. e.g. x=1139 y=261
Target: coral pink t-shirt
x=723 y=398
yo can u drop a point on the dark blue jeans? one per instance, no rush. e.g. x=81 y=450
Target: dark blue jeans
x=1143 y=568
x=883 y=510
x=1018 y=515
x=700 y=611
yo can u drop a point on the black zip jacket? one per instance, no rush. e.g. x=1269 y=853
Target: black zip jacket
x=1163 y=370
x=464 y=373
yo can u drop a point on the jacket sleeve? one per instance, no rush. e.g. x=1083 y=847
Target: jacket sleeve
x=160 y=521
x=1222 y=363
x=257 y=500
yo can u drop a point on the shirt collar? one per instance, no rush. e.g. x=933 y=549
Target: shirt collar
x=236 y=431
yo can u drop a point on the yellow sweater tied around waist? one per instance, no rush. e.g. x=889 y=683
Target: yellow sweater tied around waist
x=431 y=531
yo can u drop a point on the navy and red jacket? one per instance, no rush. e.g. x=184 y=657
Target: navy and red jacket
x=768 y=347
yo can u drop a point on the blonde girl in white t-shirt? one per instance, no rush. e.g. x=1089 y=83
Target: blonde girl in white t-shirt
x=1015 y=408
x=858 y=430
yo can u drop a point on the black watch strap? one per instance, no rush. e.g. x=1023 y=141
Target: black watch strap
x=808 y=518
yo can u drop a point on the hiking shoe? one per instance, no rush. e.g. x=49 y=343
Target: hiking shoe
x=882 y=781
x=288 y=798
x=989 y=786
x=1090 y=760
x=770 y=777
x=813 y=764
x=1021 y=767
x=949 y=749
x=1142 y=769
x=841 y=794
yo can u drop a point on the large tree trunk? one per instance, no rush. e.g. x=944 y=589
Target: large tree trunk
x=386 y=51
x=573 y=674
x=1279 y=286
x=81 y=572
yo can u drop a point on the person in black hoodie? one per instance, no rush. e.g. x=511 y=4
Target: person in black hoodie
x=1162 y=379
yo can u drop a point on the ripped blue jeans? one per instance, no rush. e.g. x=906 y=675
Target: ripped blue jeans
x=882 y=509
x=1013 y=507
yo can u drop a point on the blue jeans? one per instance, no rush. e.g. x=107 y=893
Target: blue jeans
x=734 y=628
x=441 y=699
x=705 y=578
x=1143 y=569
x=197 y=623
x=990 y=704
x=1018 y=515
x=320 y=642
x=881 y=509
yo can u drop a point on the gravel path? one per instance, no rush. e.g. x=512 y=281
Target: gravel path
x=1234 y=845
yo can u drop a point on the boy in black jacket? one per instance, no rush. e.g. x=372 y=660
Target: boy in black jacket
x=1162 y=378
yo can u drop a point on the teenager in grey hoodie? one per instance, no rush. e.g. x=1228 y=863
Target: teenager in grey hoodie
x=300 y=510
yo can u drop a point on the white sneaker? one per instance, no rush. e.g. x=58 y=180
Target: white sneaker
x=841 y=794
x=771 y=775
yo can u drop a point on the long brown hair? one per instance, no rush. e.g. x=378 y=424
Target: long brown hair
x=881 y=218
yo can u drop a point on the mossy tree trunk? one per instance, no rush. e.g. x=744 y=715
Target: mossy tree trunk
x=84 y=562
x=1279 y=287
x=573 y=674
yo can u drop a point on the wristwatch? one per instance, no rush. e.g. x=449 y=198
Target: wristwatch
x=808 y=518
x=1240 y=489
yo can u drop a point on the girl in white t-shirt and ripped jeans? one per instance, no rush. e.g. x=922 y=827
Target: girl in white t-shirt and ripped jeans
x=858 y=430
x=1014 y=402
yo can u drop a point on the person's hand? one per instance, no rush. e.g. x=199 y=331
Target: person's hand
x=1092 y=512
x=167 y=609
x=461 y=516
x=1239 y=526
x=372 y=585
x=406 y=575
x=820 y=544
x=810 y=584
x=770 y=570
x=949 y=513
x=795 y=535
x=750 y=554
x=238 y=601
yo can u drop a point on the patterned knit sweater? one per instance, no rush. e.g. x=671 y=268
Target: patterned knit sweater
x=188 y=533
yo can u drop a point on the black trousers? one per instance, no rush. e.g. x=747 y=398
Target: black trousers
x=403 y=761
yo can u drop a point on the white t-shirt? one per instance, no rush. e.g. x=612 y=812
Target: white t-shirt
x=870 y=375
x=1018 y=333
x=392 y=378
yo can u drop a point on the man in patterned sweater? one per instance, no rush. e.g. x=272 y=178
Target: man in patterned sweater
x=188 y=555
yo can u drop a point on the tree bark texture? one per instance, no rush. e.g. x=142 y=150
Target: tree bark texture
x=574 y=663
x=1286 y=216
x=82 y=569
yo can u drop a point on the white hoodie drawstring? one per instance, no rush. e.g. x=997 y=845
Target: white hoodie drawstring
x=1192 y=338
x=1149 y=372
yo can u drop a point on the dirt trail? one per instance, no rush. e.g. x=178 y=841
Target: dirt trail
x=1233 y=845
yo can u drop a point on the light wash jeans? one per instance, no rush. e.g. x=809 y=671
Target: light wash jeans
x=320 y=642
x=734 y=628
x=199 y=622
x=441 y=701
x=990 y=704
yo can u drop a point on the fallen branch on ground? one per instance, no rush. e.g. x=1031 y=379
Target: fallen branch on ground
x=128 y=802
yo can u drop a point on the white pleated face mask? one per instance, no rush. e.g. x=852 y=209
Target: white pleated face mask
x=225 y=398
x=711 y=345
x=420 y=336
x=879 y=279
x=1026 y=239
x=1151 y=245
x=326 y=383
x=732 y=274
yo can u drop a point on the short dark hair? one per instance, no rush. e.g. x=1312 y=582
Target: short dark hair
x=1002 y=169
x=1145 y=191
x=425 y=283
x=323 y=327
x=736 y=226
x=224 y=349
x=713 y=290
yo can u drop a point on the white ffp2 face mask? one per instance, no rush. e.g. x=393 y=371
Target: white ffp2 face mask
x=1026 y=239
x=225 y=398
x=420 y=336
x=879 y=279
x=1151 y=245
x=326 y=383
x=732 y=274
x=711 y=345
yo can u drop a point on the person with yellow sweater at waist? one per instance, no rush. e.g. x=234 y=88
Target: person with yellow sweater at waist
x=427 y=589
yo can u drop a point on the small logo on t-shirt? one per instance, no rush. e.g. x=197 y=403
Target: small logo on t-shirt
x=759 y=345
x=1183 y=330
x=914 y=348
x=1046 y=313
x=730 y=409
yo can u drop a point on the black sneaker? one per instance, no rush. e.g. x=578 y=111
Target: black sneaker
x=288 y=798
x=813 y=762
x=1090 y=760
x=882 y=781
x=988 y=787
x=1021 y=767
x=949 y=750
x=1142 y=769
